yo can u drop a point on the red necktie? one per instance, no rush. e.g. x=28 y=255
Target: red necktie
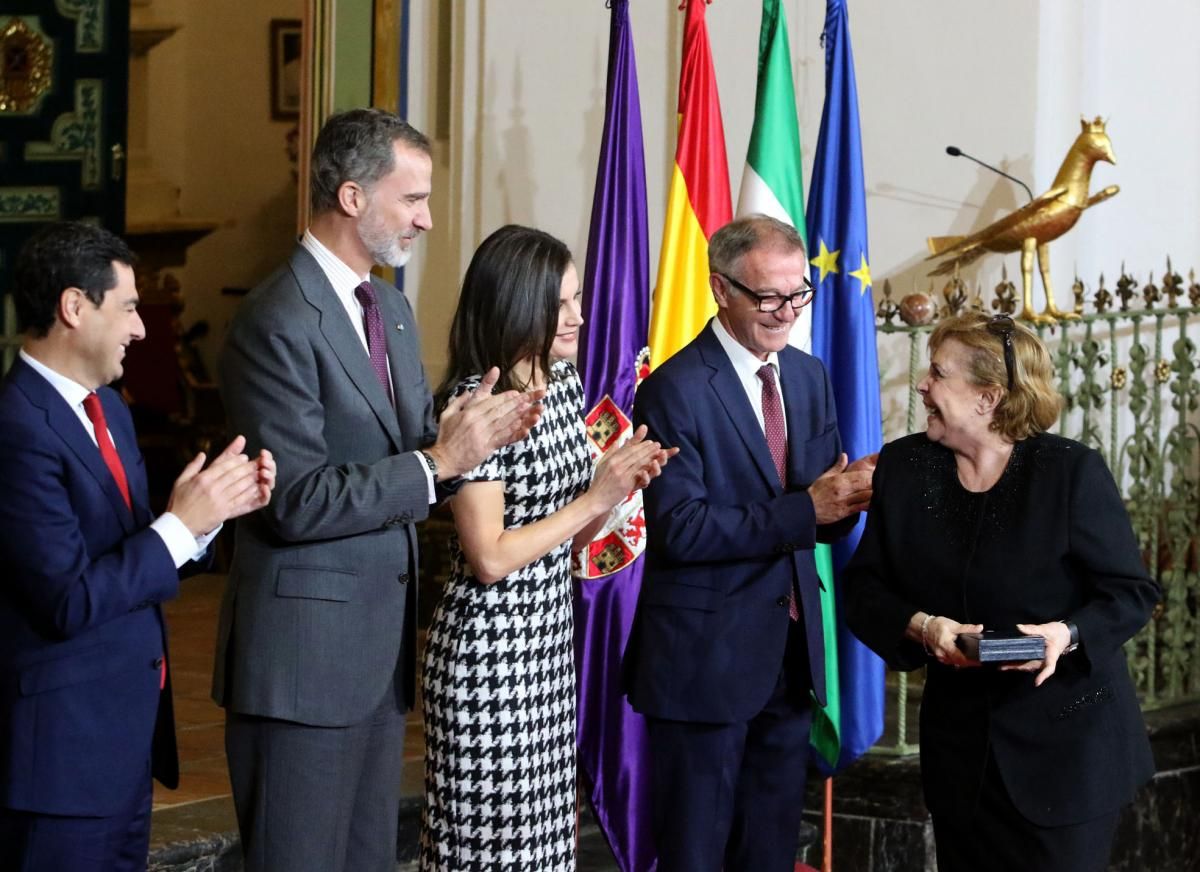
x=376 y=344
x=772 y=410
x=776 y=435
x=95 y=413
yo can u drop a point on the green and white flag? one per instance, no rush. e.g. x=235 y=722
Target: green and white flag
x=772 y=183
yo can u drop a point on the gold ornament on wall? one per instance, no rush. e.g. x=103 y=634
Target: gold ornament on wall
x=1032 y=228
x=26 y=64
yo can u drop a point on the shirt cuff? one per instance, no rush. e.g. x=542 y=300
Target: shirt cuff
x=180 y=542
x=428 y=480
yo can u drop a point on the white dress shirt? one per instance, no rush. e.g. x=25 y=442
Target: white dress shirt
x=344 y=281
x=747 y=365
x=179 y=540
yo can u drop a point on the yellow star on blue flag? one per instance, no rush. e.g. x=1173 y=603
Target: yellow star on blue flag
x=863 y=274
x=826 y=261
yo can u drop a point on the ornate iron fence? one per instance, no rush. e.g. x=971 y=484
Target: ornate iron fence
x=1127 y=369
x=10 y=339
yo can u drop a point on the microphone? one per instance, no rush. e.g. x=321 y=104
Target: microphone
x=955 y=151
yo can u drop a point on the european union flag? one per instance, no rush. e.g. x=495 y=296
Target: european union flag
x=843 y=338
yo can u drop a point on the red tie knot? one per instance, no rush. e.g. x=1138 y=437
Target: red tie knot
x=94 y=410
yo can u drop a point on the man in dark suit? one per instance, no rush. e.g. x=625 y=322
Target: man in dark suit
x=85 y=698
x=727 y=646
x=315 y=650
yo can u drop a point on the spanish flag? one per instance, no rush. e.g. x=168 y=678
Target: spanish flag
x=698 y=203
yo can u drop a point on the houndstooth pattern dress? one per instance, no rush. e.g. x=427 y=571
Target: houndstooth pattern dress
x=499 y=676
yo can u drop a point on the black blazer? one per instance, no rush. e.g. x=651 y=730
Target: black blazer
x=1050 y=541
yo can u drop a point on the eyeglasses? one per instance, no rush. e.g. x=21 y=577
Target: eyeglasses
x=1003 y=326
x=774 y=302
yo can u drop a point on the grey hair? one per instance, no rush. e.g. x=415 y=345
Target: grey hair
x=741 y=235
x=356 y=146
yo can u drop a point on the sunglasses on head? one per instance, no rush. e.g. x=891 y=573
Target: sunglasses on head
x=1003 y=326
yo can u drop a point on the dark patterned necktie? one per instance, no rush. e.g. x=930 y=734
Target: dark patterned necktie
x=376 y=343
x=772 y=410
x=108 y=451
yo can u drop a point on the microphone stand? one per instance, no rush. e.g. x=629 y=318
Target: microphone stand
x=955 y=151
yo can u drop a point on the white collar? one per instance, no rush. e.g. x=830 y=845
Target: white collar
x=340 y=275
x=72 y=391
x=744 y=361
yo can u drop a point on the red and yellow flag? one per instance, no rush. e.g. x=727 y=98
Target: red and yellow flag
x=698 y=203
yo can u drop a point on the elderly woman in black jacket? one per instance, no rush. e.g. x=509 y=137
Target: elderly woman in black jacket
x=985 y=521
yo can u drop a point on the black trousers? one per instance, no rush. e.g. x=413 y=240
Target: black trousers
x=991 y=835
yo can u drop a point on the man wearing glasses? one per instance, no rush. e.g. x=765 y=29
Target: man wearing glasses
x=727 y=647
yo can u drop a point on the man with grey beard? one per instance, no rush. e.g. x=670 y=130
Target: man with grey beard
x=315 y=647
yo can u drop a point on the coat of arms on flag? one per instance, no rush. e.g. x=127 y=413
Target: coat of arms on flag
x=623 y=537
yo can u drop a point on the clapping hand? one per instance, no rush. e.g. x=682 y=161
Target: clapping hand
x=843 y=489
x=630 y=467
x=231 y=486
x=475 y=424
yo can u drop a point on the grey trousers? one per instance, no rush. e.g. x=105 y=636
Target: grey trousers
x=317 y=799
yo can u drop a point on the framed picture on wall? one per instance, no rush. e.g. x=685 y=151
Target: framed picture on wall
x=285 y=69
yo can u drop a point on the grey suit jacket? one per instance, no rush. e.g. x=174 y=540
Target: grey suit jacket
x=319 y=611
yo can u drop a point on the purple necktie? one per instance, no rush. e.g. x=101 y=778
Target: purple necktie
x=772 y=410
x=376 y=344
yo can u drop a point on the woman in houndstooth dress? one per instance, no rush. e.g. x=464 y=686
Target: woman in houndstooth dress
x=498 y=676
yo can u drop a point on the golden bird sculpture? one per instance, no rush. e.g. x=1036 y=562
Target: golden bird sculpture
x=1034 y=226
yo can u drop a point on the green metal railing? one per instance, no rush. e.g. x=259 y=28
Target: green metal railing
x=1128 y=375
x=10 y=339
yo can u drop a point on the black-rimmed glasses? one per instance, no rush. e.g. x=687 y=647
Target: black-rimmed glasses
x=1003 y=326
x=774 y=302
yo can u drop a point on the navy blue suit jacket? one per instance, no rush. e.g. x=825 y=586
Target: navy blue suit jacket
x=81 y=631
x=726 y=540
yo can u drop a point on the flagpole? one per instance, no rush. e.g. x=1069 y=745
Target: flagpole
x=827 y=859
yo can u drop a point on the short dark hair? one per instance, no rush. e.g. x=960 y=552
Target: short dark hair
x=737 y=238
x=508 y=308
x=69 y=254
x=356 y=146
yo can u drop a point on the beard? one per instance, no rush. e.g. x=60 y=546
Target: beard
x=384 y=246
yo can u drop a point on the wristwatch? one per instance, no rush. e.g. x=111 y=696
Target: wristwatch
x=430 y=464
x=1074 y=643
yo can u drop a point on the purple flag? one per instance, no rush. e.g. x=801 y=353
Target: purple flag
x=612 y=357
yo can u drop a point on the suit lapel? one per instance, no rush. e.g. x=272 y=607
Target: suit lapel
x=404 y=355
x=793 y=402
x=335 y=326
x=62 y=420
x=125 y=440
x=732 y=396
